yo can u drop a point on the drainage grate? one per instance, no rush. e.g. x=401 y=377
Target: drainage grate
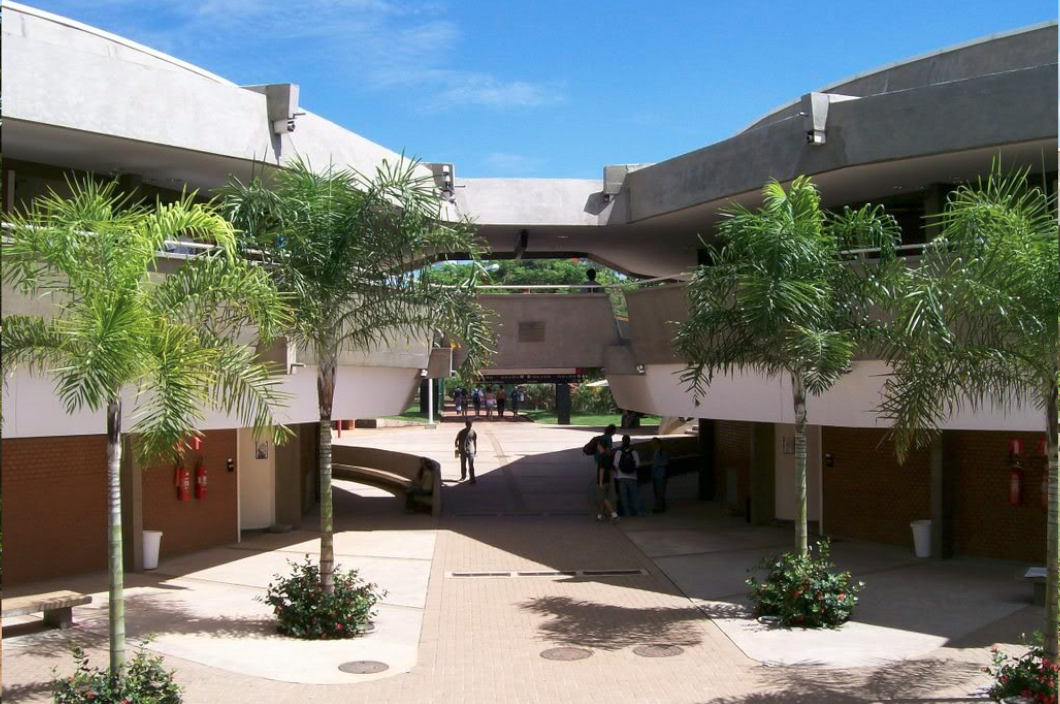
x=551 y=573
x=658 y=651
x=566 y=654
x=363 y=667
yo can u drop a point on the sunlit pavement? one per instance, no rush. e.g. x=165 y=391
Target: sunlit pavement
x=448 y=632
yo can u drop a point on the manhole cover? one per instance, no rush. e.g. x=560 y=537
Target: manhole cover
x=658 y=651
x=566 y=654
x=363 y=667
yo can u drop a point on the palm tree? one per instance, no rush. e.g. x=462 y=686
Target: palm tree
x=976 y=325
x=781 y=296
x=119 y=327
x=353 y=254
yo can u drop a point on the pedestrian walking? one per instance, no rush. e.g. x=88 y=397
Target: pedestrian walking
x=660 y=461
x=517 y=398
x=458 y=400
x=502 y=399
x=491 y=402
x=626 y=479
x=466 y=449
x=476 y=400
x=605 y=487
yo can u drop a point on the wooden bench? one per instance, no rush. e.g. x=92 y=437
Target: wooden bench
x=390 y=480
x=57 y=607
x=1037 y=577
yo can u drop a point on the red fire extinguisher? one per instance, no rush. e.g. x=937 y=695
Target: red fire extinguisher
x=182 y=481
x=1015 y=485
x=200 y=481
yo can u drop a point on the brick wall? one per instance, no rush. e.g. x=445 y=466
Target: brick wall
x=732 y=448
x=867 y=494
x=984 y=523
x=197 y=523
x=55 y=506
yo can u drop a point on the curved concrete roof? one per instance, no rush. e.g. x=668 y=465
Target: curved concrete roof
x=77 y=97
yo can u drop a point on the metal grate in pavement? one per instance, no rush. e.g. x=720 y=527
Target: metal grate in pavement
x=363 y=667
x=658 y=650
x=566 y=654
x=549 y=573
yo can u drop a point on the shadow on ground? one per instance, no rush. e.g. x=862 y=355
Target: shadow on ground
x=608 y=627
x=904 y=682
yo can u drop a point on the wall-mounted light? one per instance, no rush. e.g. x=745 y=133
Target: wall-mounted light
x=423 y=373
x=640 y=368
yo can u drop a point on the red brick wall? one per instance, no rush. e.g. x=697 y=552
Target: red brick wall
x=984 y=522
x=55 y=506
x=867 y=494
x=196 y=523
x=732 y=448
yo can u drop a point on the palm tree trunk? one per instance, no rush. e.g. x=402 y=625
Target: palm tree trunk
x=114 y=547
x=325 y=397
x=798 y=390
x=1052 y=541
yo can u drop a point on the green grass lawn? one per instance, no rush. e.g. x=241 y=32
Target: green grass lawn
x=411 y=413
x=602 y=419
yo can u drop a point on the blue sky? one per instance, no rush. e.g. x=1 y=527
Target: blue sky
x=549 y=88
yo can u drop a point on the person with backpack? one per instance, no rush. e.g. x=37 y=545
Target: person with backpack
x=626 y=479
x=605 y=488
x=502 y=398
x=476 y=400
x=517 y=398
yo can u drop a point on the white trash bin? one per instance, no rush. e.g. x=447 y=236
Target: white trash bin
x=152 y=544
x=922 y=537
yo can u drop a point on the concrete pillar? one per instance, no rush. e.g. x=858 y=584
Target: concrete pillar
x=763 y=474
x=563 y=404
x=289 y=480
x=943 y=490
x=706 y=465
x=423 y=395
x=132 y=509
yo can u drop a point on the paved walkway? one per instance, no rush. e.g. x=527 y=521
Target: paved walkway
x=921 y=635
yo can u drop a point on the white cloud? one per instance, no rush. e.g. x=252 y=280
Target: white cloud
x=383 y=44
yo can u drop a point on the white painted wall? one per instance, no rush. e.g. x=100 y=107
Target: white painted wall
x=752 y=397
x=784 y=493
x=257 y=481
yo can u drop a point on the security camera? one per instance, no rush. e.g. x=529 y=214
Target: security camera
x=281 y=126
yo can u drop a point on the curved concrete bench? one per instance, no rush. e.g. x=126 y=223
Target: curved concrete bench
x=384 y=468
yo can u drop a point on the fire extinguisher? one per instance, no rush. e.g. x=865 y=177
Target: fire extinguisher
x=182 y=481
x=1015 y=485
x=200 y=481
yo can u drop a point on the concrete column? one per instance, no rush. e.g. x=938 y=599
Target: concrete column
x=132 y=509
x=424 y=402
x=706 y=466
x=563 y=404
x=943 y=479
x=289 y=480
x=763 y=474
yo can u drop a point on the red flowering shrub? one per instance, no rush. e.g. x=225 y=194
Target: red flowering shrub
x=303 y=610
x=1031 y=676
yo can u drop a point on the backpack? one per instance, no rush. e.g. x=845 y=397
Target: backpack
x=590 y=447
x=627 y=463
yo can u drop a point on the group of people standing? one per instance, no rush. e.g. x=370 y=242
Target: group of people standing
x=616 y=488
x=478 y=398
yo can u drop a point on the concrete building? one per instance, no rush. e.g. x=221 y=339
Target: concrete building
x=77 y=98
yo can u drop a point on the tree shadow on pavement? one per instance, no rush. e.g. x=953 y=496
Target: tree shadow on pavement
x=610 y=627
x=903 y=682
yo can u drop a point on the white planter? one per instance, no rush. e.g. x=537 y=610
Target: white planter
x=922 y=537
x=152 y=544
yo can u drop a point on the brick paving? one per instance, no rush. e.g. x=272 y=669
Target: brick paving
x=482 y=637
